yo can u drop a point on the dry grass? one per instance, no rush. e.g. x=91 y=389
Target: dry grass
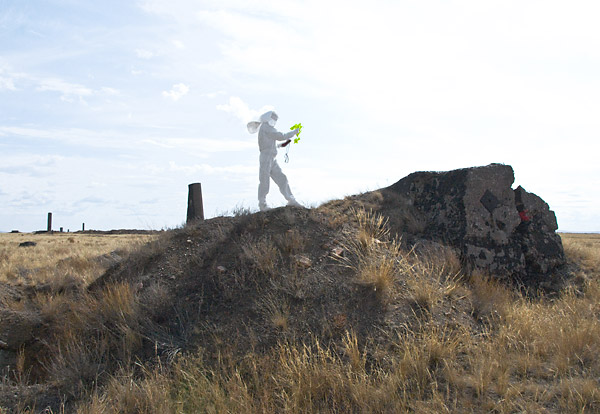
x=431 y=276
x=375 y=259
x=340 y=212
x=61 y=256
x=382 y=263
x=88 y=336
x=490 y=299
x=583 y=249
x=482 y=347
x=291 y=242
x=262 y=254
x=276 y=310
x=70 y=337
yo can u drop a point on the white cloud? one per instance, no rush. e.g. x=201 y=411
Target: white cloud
x=7 y=78
x=109 y=91
x=177 y=91
x=75 y=136
x=144 y=54
x=178 y=44
x=243 y=170
x=68 y=90
x=7 y=83
x=213 y=95
x=32 y=165
x=202 y=144
x=415 y=60
x=240 y=109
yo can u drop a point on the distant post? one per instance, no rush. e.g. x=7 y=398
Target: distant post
x=82 y=226
x=49 y=221
x=195 y=210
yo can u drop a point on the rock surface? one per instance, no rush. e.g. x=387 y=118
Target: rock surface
x=505 y=232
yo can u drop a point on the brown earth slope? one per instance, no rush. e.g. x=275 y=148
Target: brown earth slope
x=245 y=282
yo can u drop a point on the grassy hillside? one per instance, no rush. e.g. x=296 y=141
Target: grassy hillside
x=293 y=310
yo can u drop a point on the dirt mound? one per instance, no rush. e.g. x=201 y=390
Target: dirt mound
x=252 y=279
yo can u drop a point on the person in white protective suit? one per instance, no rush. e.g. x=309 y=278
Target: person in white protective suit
x=267 y=137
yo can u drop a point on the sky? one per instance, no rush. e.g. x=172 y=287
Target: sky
x=108 y=110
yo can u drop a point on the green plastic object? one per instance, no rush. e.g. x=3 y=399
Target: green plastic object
x=299 y=126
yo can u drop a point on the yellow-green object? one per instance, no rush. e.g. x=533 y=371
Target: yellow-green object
x=299 y=126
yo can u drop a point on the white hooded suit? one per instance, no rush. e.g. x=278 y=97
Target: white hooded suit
x=267 y=137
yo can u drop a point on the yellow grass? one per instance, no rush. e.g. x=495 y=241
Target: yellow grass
x=61 y=255
x=481 y=347
x=583 y=248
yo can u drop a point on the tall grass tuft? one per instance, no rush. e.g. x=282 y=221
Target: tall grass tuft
x=262 y=254
x=372 y=256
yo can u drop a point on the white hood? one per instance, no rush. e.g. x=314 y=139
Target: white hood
x=268 y=117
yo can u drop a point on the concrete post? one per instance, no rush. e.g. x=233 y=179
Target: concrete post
x=195 y=210
x=49 y=221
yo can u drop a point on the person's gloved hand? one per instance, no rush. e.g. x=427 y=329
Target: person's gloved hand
x=296 y=131
x=286 y=143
